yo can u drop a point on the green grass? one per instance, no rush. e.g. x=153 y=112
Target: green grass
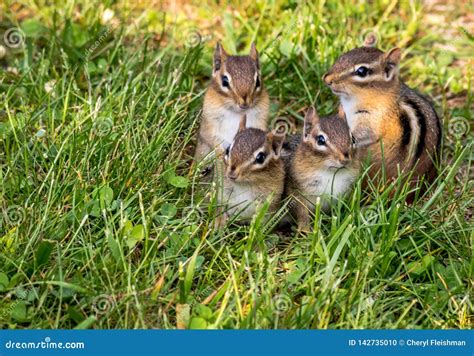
x=103 y=226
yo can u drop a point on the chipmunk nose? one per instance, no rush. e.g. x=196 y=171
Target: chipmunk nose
x=232 y=174
x=345 y=159
x=244 y=103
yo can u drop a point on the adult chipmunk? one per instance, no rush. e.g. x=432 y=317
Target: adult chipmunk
x=253 y=172
x=236 y=89
x=321 y=164
x=380 y=107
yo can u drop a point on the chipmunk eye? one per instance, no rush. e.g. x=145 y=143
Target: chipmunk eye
x=362 y=71
x=225 y=81
x=260 y=158
x=257 y=83
x=227 y=150
x=321 y=140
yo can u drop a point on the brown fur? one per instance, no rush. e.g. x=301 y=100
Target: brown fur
x=354 y=57
x=246 y=142
x=223 y=106
x=307 y=164
x=409 y=138
x=254 y=181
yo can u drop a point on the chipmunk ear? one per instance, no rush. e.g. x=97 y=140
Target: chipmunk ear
x=243 y=123
x=276 y=141
x=370 y=40
x=390 y=61
x=254 y=54
x=311 y=119
x=220 y=55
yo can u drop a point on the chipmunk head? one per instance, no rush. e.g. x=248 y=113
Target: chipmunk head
x=328 y=137
x=252 y=154
x=365 y=69
x=237 y=78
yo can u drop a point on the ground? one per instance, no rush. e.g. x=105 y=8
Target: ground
x=102 y=224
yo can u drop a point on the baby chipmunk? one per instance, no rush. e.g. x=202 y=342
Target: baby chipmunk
x=380 y=107
x=321 y=164
x=253 y=172
x=236 y=89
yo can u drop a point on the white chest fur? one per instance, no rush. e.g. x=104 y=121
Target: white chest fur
x=328 y=184
x=241 y=200
x=228 y=125
x=349 y=105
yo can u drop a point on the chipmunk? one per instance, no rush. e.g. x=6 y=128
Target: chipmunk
x=253 y=171
x=380 y=107
x=236 y=88
x=321 y=164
